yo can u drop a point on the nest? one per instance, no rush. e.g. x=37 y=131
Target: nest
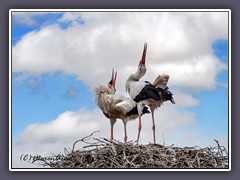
x=104 y=154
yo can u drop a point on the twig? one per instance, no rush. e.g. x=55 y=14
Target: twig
x=83 y=140
x=104 y=154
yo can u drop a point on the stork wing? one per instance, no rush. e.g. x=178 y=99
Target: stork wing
x=161 y=80
x=124 y=104
x=124 y=107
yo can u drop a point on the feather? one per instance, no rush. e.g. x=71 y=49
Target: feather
x=148 y=92
x=161 y=81
x=135 y=88
x=116 y=105
x=134 y=111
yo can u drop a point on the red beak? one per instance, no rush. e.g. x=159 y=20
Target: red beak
x=112 y=82
x=142 y=61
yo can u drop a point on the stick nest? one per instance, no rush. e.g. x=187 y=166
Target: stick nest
x=104 y=154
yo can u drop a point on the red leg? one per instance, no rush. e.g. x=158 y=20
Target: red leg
x=153 y=128
x=125 y=132
x=111 y=136
x=125 y=139
x=112 y=122
x=139 y=128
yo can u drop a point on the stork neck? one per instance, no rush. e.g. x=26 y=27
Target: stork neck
x=138 y=74
x=141 y=71
x=135 y=77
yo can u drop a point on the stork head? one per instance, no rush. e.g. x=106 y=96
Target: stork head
x=112 y=82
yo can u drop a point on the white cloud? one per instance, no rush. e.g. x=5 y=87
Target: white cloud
x=184 y=99
x=179 y=44
x=74 y=122
x=196 y=74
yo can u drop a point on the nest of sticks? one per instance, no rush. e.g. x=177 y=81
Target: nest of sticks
x=103 y=154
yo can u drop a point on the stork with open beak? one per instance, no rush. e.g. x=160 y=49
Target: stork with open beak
x=116 y=106
x=144 y=92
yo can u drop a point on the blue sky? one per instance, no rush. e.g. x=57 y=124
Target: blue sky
x=213 y=110
x=41 y=99
x=45 y=90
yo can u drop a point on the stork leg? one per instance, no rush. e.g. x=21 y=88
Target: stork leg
x=125 y=131
x=153 y=127
x=139 y=128
x=111 y=136
x=112 y=122
x=139 y=108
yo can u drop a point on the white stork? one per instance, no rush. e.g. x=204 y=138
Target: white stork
x=144 y=92
x=116 y=106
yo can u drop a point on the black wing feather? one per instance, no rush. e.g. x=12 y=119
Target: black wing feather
x=149 y=91
x=134 y=111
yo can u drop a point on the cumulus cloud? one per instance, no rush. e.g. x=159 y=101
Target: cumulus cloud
x=184 y=99
x=198 y=74
x=83 y=122
x=74 y=122
x=178 y=43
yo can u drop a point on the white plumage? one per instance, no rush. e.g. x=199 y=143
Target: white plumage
x=116 y=106
x=134 y=87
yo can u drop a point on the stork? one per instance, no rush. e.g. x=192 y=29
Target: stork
x=116 y=106
x=145 y=92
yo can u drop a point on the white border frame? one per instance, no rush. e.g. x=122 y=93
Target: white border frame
x=117 y=10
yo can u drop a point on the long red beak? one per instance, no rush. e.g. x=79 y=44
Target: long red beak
x=112 y=82
x=142 y=61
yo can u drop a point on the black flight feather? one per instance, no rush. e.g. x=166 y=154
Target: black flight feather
x=134 y=111
x=149 y=91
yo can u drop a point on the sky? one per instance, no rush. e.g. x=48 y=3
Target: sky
x=59 y=57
